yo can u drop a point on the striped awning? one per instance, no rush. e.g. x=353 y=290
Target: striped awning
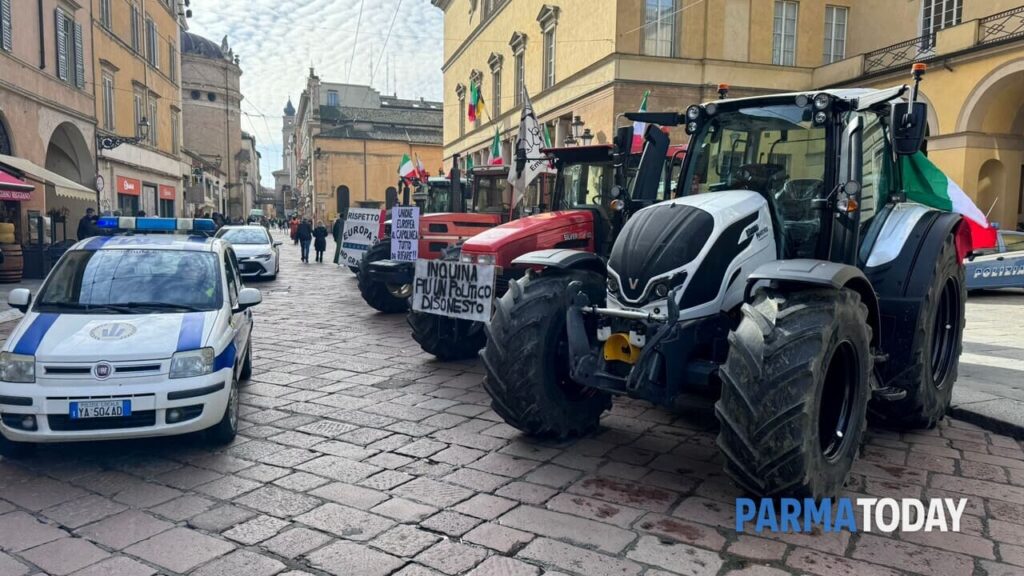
x=12 y=187
x=61 y=185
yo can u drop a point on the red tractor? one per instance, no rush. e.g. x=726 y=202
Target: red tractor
x=590 y=205
x=386 y=284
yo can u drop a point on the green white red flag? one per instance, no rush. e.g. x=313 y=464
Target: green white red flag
x=421 y=172
x=494 y=154
x=406 y=169
x=474 y=101
x=926 y=184
x=640 y=127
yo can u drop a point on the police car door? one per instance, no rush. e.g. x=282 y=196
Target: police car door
x=240 y=321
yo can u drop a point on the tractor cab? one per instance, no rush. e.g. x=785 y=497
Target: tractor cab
x=435 y=195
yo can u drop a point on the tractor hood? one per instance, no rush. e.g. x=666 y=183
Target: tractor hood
x=561 y=229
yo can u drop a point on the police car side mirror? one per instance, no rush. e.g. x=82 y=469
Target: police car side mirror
x=20 y=298
x=247 y=298
x=277 y=243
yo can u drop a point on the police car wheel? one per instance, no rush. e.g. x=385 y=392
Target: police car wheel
x=224 y=431
x=246 y=371
x=15 y=450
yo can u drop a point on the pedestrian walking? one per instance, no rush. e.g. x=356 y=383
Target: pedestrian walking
x=304 y=234
x=336 y=230
x=320 y=240
x=293 y=226
x=85 y=225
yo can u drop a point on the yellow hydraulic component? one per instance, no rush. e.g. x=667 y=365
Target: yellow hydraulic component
x=618 y=347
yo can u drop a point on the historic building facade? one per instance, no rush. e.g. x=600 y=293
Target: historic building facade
x=137 y=84
x=575 y=61
x=349 y=141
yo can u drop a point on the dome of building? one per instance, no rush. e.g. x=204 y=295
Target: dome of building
x=199 y=46
x=289 y=110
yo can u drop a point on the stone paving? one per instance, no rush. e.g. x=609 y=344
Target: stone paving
x=362 y=456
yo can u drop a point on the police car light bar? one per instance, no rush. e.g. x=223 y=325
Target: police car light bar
x=153 y=224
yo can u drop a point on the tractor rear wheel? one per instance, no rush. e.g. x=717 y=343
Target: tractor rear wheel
x=389 y=300
x=448 y=339
x=527 y=359
x=938 y=341
x=795 y=390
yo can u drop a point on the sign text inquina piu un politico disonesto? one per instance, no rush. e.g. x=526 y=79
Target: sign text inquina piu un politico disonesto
x=454 y=289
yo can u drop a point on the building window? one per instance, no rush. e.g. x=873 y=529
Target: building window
x=195 y=94
x=175 y=132
x=172 y=61
x=152 y=44
x=140 y=113
x=332 y=98
x=70 y=54
x=520 y=77
x=136 y=36
x=153 y=123
x=660 y=27
x=6 y=41
x=462 y=113
x=105 y=13
x=784 y=37
x=939 y=14
x=835 y=33
x=549 y=57
x=108 y=102
x=496 y=92
x=211 y=96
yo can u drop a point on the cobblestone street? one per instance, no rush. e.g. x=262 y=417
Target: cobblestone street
x=361 y=456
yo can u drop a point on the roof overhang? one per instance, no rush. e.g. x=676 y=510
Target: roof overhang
x=61 y=185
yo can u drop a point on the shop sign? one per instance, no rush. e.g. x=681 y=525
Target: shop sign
x=129 y=186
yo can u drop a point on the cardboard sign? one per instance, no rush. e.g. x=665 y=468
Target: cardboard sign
x=405 y=233
x=454 y=289
x=362 y=228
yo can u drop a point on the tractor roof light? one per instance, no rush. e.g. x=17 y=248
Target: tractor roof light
x=803 y=101
x=822 y=101
x=820 y=117
x=711 y=109
x=693 y=113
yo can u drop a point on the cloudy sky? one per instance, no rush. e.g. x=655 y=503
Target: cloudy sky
x=278 y=40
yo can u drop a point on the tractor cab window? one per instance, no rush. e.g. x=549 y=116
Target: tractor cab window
x=537 y=198
x=439 y=198
x=877 y=168
x=775 y=151
x=587 y=185
x=493 y=194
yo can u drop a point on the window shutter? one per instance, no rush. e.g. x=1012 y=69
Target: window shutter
x=5 y=25
x=79 y=57
x=62 y=46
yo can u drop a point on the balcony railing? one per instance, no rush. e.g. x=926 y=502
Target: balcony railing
x=1002 y=26
x=899 y=55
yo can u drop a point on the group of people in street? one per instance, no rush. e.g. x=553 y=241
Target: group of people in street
x=303 y=232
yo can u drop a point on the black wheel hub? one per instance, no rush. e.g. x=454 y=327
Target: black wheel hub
x=944 y=332
x=842 y=381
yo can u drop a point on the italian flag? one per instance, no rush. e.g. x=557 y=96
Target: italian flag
x=474 y=100
x=494 y=154
x=420 y=170
x=640 y=127
x=406 y=169
x=926 y=184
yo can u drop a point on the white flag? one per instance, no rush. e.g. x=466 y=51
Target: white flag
x=531 y=140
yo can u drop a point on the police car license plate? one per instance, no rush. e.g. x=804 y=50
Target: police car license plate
x=100 y=409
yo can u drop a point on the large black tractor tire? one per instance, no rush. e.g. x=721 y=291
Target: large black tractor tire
x=795 y=389
x=448 y=339
x=527 y=361
x=377 y=294
x=935 y=353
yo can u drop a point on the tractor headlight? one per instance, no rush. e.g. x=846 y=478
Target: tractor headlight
x=691 y=128
x=711 y=109
x=693 y=113
x=466 y=258
x=17 y=368
x=613 y=285
x=661 y=290
x=485 y=259
x=822 y=101
x=820 y=117
x=192 y=363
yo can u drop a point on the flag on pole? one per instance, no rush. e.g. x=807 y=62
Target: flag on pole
x=494 y=154
x=469 y=163
x=529 y=140
x=926 y=184
x=406 y=170
x=421 y=172
x=547 y=144
x=474 y=100
x=640 y=127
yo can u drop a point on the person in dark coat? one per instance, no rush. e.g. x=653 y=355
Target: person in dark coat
x=304 y=234
x=320 y=240
x=336 y=230
x=85 y=225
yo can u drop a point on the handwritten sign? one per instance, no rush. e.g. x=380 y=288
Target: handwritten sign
x=405 y=233
x=362 y=227
x=454 y=289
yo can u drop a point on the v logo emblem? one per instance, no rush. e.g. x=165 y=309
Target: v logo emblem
x=633 y=282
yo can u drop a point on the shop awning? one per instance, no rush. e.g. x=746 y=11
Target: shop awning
x=12 y=187
x=61 y=185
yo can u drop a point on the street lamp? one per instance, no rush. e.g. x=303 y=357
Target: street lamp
x=577 y=127
x=587 y=137
x=109 y=142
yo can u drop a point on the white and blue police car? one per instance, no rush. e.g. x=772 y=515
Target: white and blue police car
x=144 y=332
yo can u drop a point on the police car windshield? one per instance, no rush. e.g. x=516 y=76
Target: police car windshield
x=132 y=281
x=244 y=235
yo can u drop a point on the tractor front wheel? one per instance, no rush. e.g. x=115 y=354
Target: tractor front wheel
x=935 y=353
x=377 y=294
x=448 y=339
x=795 y=390
x=527 y=358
